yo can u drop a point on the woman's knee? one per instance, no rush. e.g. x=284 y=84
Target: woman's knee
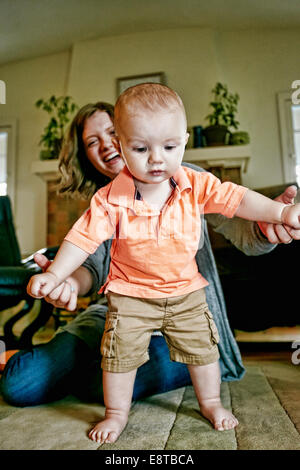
x=13 y=381
x=43 y=373
x=28 y=375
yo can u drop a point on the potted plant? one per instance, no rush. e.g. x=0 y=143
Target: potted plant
x=60 y=111
x=223 y=116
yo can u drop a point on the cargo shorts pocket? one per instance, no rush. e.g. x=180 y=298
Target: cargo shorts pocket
x=108 y=343
x=212 y=326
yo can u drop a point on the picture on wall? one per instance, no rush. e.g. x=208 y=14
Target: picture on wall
x=125 y=82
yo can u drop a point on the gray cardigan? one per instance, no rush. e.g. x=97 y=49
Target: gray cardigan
x=245 y=235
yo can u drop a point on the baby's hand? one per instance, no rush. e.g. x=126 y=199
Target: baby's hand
x=291 y=216
x=41 y=285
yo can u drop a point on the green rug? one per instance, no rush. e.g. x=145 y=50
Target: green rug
x=265 y=401
x=263 y=422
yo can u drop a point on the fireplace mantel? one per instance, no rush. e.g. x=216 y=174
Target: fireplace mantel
x=229 y=156
x=45 y=169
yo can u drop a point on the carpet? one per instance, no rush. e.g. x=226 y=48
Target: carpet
x=265 y=401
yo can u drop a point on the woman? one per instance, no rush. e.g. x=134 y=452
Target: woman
x=70 y=361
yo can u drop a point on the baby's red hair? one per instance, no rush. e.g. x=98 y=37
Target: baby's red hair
x=147 y=96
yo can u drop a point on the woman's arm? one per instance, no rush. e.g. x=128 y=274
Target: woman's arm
x=246 y=235
x=85 y=280
x=243 y=234
x=252 y=238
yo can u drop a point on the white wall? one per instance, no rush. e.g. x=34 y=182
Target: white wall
x=256 y=65
x=26 y=82
x=187 y=56
x=259 y=65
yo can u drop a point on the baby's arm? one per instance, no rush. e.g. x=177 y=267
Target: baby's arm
x=255 y=206
x=69 y=258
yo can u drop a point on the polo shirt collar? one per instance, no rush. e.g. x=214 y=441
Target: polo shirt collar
x=181 y=180
x=122 y=190
x=124 y=193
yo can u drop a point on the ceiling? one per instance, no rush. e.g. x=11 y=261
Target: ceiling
x=30 y=28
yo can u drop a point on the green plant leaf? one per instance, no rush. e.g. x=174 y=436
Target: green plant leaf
x=60 y=110
x=39 y=103
x=224 y=107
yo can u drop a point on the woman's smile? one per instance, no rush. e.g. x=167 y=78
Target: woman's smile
x=98 y=137
x=111 y=158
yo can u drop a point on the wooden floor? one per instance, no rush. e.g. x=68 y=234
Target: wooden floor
x=277 y=334
x=271 y=344
x=266 y=351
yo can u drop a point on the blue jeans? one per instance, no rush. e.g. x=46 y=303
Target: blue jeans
x=66 y=365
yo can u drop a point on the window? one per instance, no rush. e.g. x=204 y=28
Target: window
x=296 y=135
x=289 y=122
x=3 y=163
x=7 y=158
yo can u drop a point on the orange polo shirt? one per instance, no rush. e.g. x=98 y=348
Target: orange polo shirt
x=153 y=252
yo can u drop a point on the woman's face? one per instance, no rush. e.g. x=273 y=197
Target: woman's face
x=98 y=139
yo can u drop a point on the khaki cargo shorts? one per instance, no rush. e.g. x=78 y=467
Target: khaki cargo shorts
x=185 y=321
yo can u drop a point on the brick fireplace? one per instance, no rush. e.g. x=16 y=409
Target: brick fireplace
x=63 y=211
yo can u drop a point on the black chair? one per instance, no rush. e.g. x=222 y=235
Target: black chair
x=14 y=276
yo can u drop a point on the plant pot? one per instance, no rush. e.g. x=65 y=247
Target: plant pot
x=46 y=155
x=239 y=138
x=216 y=135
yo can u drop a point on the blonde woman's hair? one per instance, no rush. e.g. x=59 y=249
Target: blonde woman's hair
x=79 y=178
x=150 y=96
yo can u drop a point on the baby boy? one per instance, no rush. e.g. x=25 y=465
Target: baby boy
x=153 y=209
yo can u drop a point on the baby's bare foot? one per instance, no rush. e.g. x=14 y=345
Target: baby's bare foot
x=108 y=430
x=220 y=418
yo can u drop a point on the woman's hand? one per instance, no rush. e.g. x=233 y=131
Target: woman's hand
x=65 y=294
x=277 y=233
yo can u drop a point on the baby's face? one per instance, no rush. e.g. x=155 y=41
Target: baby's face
x=152 y=143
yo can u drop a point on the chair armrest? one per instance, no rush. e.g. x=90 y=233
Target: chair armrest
x=30 y=257
x=49 y=252
x=13 y=279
